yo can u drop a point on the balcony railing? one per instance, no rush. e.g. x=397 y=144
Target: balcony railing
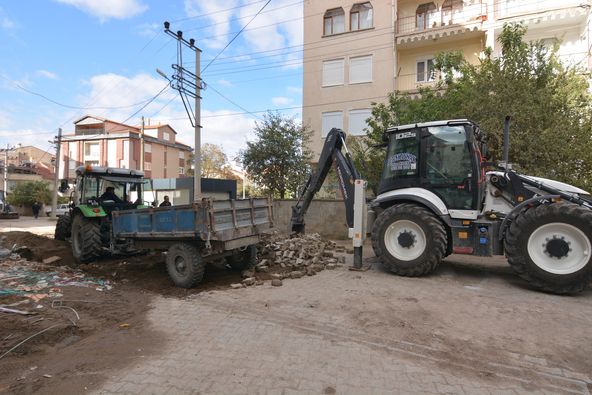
x=509 y=8
x=441 y=18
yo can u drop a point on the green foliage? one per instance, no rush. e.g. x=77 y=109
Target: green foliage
x=551 y=109
x=279 y=161
x=27 y=193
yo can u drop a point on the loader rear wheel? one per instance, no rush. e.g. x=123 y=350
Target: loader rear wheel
x=86 y=239
x=63 y=228
x=185 y=265
x=409 y=240
x=240 y=260
x=550 y=246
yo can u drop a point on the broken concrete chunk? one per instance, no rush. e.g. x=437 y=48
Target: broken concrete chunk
x=276 y=282
x=236 y=286
x=330 y=266
x=296 y=274
x=52 y=259
x=262 y=268
x=249 y=281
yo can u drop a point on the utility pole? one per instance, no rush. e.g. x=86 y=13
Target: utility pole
x=56 y=177
x=189 y=84
x=5 y=177
x=142 y=146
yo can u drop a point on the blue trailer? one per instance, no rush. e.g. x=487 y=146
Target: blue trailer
x=196 y=233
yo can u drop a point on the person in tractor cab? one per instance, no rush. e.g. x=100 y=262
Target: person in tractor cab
x=110 y=195
x=166 y=202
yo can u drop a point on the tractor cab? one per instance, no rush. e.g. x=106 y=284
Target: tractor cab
x=441 y=157
x=108 y=189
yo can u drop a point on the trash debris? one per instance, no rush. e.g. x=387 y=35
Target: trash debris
x=15 y=311
x=124 y=326
x=47 y=376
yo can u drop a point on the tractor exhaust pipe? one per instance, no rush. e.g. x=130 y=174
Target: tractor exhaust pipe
x=506 y=157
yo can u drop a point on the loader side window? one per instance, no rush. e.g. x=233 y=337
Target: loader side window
x=449 y=165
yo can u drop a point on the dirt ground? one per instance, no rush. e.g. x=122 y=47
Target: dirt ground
x=91 y=332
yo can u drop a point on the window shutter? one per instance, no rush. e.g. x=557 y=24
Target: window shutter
x=331 y=120
x=357 y=121
x=360 y=69
x=333 y=72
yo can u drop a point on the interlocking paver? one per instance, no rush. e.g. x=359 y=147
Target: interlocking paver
x=268 y=340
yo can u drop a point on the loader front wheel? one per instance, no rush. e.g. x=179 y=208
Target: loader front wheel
x=184 y=264
x=86 y=239
x=550 y=246
x=409 y=240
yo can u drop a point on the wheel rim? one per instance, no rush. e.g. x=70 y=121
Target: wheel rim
x=180 y=265
x=559 y=248
x=405 y=240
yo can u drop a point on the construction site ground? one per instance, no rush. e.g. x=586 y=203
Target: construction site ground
x=121 y=327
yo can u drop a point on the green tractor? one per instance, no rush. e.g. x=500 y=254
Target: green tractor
x=98 y=192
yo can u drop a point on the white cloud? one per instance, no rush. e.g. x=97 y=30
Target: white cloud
x=34 y=137
x=278 y=26
x=225 y=83
x=220 y=20
x=282 y=101
x=48 y=74
x=148 y=29
x=5 y=22
x=106 y=9
x=296 y=90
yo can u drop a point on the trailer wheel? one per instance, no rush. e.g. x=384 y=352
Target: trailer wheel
x=185 y=265
x=63 y=228
x=86 y=239
x=240 y=260
x=550 y=246
x=409 y=240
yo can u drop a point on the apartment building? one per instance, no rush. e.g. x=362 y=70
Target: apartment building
x=102 y=142
x=356 y=52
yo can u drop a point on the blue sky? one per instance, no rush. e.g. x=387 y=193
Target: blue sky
x=99 y=57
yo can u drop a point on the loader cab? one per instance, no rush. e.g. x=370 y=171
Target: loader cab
x=442 y=157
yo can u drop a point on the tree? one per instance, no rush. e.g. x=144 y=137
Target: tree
x=549 y=103
x=214 y=163
x=279 y=159
x=29 y=192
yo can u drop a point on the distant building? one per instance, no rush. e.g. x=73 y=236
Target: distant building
x=102 y=142
x=26 y=163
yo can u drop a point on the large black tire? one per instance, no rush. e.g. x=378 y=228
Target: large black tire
x=240 y=260
x=550 y=247
x=63 y=228
x=185 y=265
x=409 y=240
x=86 y=239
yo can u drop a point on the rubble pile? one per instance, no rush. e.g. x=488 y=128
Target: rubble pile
x=303 y=255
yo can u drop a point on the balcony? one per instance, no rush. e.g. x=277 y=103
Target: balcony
x=522 y=8
x=428 y=22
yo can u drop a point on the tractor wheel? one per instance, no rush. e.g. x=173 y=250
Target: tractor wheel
x=550 y=246
x=86 y=239
x=63 y=228
x=185 y=265
x=240 y=260
x=409 y=240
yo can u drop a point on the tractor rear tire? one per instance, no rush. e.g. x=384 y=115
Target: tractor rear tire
x=86 y=239
x=241 y=260
x=550 y=246
x=409 y=240
x=63 y=228
x=185 y=265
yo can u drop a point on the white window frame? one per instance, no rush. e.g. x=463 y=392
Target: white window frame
x=334 y=16
x=181 y=170
x=367 y=112
x=326 y=126
x=147 y=165
x=147 y=148
x=91 y=154
x=358 y=11
x=166 y=136
x=181 y=154
x=357 y=60
x=427 y=77
x=338 y=65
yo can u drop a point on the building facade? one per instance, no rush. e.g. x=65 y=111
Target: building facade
x=101 y=142
x=356 y=52
x=25 y=163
